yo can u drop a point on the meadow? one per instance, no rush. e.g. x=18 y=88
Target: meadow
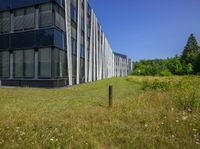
x=147 y=112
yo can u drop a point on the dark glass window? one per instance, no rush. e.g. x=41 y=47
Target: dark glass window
x=45 y=63
x=45 y=15
x=82 y=51
x=19 y=19
x=18 y=64
x=82 y=70
x=4 y=41
x=74 y=49
x=59 y=63
x=4 y=64
x=58 y=39
x=63 y=68
x=29 y=63
x=82 y=21
x=45 y=37
x=56 y=63
x=29 y=18
x=59 y=18
x=73 y=12
x=74 y=67
x=4 y=22
x=73 y=40
x=24 y=19
x=23 y=40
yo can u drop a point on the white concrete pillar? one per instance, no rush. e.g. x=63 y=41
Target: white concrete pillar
x=85 y=39
x=91 y=46
x=78 y=41
x=68 y=39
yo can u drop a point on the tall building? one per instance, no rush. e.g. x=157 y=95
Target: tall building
x=52 y=43
x=120 y=65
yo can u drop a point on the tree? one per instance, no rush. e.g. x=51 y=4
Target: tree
x=190 y=51
x=197 y=66
x=174 y=65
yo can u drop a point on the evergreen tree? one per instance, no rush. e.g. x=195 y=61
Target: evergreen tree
x=190 y=49
x=191 y=52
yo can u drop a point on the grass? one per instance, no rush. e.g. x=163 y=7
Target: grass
x=147 y=112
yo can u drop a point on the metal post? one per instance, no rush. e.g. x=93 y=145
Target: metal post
x=110 y=95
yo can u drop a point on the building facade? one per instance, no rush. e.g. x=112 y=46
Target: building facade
x=120 y=65
x=52 y=43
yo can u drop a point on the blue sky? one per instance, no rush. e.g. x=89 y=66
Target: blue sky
x=148 y=29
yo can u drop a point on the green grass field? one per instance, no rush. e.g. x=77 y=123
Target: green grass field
x=147 y=112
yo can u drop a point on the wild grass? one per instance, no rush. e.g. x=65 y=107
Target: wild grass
x=147 y=112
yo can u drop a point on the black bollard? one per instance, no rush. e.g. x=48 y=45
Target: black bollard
x=110 y=95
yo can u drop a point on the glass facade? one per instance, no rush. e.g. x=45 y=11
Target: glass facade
x=46 y=15
x=18 y=64
x=29 y=63
x=4 y=64
x=34 y=34
x=45 y=58
x=4 y=22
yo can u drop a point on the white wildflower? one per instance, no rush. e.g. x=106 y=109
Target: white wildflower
x=194 y=129
x=184 y=118
x=146 y=125
x=52 y=139
x=177 y=121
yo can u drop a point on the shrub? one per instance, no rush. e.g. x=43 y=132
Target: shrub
x=156 y=85
x=187 y=102
x=166 y=72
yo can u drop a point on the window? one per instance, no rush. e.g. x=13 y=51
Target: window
x=73 y=12
x=18 y=64
x=29 y=18
x=58 y=39
x=63 y=65
x=4 y=22
x=4 y=64
x=24 y=19
x=4 y=41
x=18 y=19
x=74 y=50
x=74 y=66
x=59 y=63
x=45 y=63
x=45 y=15
x=73 y=40
x=59 y=18
x=29 y=63
x=56 y=63
x=82 y=70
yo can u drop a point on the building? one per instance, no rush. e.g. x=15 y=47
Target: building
x=130 y=66
x=120 y=65
x=52 y=43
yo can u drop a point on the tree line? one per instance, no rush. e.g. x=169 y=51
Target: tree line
x=187 y=63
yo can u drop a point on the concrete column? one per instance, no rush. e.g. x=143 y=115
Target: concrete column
x=68 y=39
x=91 y=47
x=78 y=42
x=85 y=40
x=94 y=50
x=11 y=65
